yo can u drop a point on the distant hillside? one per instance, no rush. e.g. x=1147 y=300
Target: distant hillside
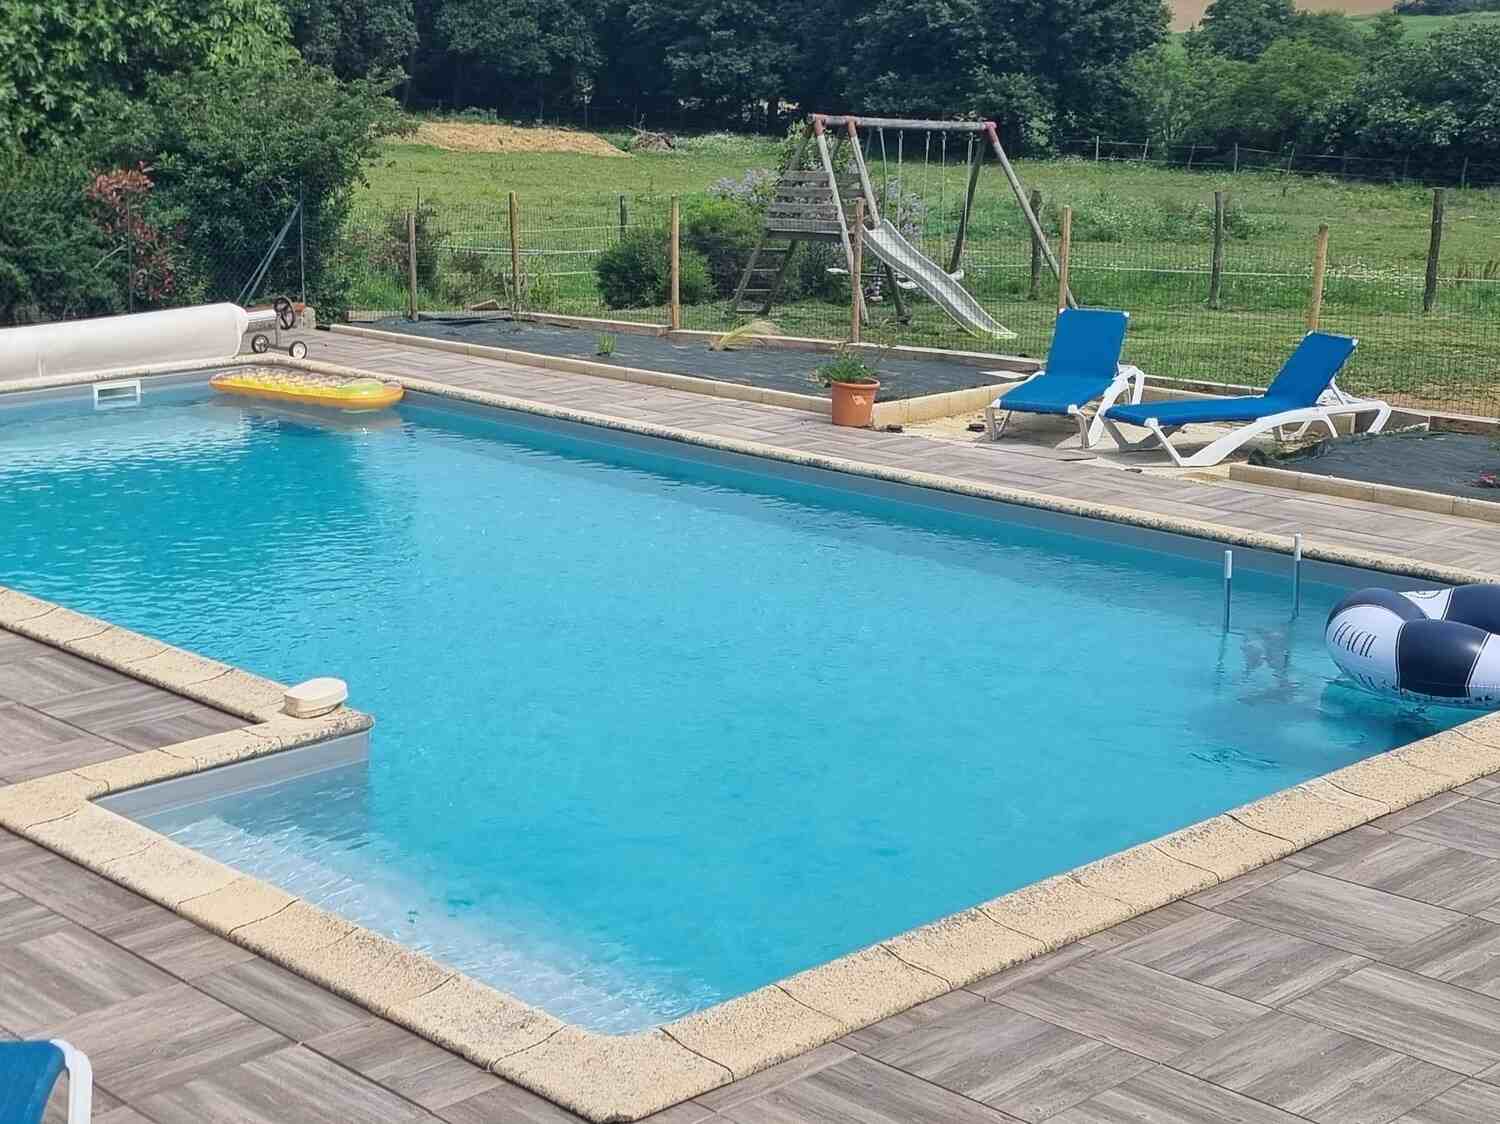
x=1185 y=13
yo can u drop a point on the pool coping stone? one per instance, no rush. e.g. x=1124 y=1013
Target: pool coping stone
x=626 y=1077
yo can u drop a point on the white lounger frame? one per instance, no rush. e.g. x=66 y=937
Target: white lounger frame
x=1090 y=425
x=80 y=1083
x=1331 y=404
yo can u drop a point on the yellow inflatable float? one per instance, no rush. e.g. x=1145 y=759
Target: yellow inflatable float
x=332 y=391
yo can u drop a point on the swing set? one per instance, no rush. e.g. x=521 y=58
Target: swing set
x=813 y=203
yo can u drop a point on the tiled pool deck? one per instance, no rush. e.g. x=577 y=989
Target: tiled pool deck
x=1358 y=980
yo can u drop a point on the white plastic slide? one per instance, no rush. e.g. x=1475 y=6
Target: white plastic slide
x=887 y=244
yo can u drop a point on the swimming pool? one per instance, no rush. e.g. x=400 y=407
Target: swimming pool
x=656 y=726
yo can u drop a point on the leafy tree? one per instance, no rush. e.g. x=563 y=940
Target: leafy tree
x=355 y=38
x=1242 y=29
x=518 y=52
x=232 y=149
x=55 y=260
x=58 y=57
x=1387 y=32
x=733 y=56
x=1436 y=98
x=1284 y=94
x=1331 y=30
x=1172 y=93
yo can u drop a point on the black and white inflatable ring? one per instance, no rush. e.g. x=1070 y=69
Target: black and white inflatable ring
x=1436 y=646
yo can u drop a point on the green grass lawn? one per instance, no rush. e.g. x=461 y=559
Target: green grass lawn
x=1424 y=27
x=1142 y=242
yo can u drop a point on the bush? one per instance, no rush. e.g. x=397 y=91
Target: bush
x=635 y=272
x=725 y=233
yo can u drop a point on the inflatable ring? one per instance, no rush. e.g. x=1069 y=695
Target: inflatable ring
x=1429 y=646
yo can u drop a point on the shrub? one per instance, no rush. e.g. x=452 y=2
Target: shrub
x=725 y=233
x=846 y=366
x=635 y=272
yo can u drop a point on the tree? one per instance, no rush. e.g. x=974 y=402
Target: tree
x=732 y=56
x=518 y=53
x=1284 y=95
x=355 y=38
x=1387 y=32
x=58 y=57
x=1331 y=30
x=1242 y=29
x=1438 y=98
x=1172 y=93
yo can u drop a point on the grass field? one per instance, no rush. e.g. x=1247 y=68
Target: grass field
x=1142 y=240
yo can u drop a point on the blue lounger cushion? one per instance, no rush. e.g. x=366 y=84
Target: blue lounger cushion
x=1083 y=361
x=28 y=1071
x=1306 y=374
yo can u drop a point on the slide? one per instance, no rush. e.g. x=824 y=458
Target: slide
x=887 y=244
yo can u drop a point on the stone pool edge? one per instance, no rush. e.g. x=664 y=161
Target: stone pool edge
x=626 y=1077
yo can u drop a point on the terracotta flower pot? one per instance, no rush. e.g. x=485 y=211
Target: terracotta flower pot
x=854 y=403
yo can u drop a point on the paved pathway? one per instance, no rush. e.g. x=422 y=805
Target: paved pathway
x=1356 y=982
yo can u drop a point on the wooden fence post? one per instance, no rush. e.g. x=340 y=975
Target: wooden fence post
x=1064 y=257
x=515 y=255
x=1463 y=176
x=411 y=265
x=856 y=275
x=624 y=215
x=1035 y=292
x=1236 y=156
x=1096 y=148
x=675 y=309
x=1216 y=266
x=1320 y=266
x=1434 y=247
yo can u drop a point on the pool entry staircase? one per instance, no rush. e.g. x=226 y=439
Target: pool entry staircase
x=814 y=199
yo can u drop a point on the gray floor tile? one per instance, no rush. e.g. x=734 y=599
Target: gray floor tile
x=413 y=1067
x=164 y=1039
x=1012 y=1061
x=992 y=986
x=1467 y=955
x=49 y=979
x=67 y=889
x=1316 y=1072
x=774 y=1077
x=509 y=1104
x=173 y=943
x=1415 y=868
x=291 y=1084
x=1164 y=1096
x=1242 y=885
x=1340 y=914
x=920 y=1015
x=1132 y=1007
x=285 y=1002
x=1428 y=1019
x=51 y=676
x=1241 y=958
x=861 y=1091
x=21 y=919
x=1155 y=920
x=1469 y=1103
x=1473 y=825
x=1418 y=811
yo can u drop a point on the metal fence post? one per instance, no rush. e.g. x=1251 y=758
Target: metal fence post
x=1236 y=156
x=675 y=309
x=1434 y=246
x=129 y=257
x=624 y=215
x=1216 y=265
x=1320 y=265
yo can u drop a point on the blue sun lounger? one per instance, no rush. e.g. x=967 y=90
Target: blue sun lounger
x=29 y=1070
x=1302 y=394
x=1083 y=363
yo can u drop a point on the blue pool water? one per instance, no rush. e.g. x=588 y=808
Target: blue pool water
x=654 y=730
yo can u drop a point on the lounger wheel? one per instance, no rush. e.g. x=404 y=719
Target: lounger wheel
x=298 y=350
x=286 y=315
x=260 y=343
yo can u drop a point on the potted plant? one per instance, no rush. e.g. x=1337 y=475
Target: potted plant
x=853 y=385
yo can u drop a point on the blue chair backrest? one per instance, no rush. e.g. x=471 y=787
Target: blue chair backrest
x=28 y=1070
x=1087 y=341
x=1308 y=370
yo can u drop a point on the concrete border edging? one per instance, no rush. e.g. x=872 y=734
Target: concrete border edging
x=626 y=1077
x=1413 y=499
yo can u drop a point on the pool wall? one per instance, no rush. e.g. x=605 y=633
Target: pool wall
x=626 y=1077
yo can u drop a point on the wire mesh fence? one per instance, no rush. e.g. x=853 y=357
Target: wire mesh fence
x=1461 y=171
x=1435 y=347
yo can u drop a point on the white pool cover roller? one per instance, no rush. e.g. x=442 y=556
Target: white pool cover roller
x=203 y=333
